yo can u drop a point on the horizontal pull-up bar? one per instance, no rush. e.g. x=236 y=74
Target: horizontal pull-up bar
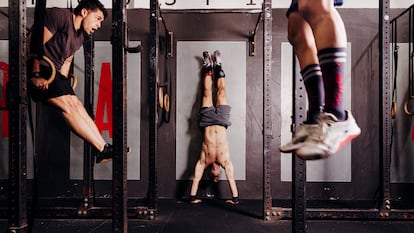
x=208 y=11
x=402 y=13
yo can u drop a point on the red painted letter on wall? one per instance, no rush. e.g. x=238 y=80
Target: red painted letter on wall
x=104 y=103
x=412 y=132
x=4 y=67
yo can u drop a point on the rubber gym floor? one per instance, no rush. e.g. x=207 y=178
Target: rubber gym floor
x=214 y=216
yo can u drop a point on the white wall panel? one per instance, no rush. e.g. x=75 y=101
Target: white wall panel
x=103 y=56
x=188 y=135
x=334 y=169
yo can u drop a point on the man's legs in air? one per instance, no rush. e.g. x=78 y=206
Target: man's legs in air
x=207 y=75
x=82 y=124
x=301 y=38
x=219 y=75
x=330 y=40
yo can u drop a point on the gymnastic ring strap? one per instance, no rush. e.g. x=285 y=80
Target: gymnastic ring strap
x=74 y=80
x=50 y=63
x=406 y=111
x=394 y=109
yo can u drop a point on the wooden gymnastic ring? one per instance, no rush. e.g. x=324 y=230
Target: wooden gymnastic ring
x=74 y=80
x=394 y=110
x=167 y=103
x=406 y=111
x=50 y=63
x=161 y=97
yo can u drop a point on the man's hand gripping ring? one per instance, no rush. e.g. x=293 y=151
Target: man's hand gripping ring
x=50 y=63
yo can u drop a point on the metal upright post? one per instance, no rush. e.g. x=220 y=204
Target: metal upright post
x=88 y=188
x=298 y=165
x=17 y=104
x=267 y=108
x=153 y=122
x=119 y=90
x=385 y=108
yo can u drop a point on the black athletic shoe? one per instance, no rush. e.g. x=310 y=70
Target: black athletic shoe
x=207 y=63
x=105 y=155
x=218 y=70
x=217 y=58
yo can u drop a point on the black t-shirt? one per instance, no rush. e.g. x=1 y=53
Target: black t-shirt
x=66 y=40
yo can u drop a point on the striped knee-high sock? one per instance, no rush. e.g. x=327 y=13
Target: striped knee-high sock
x=312 y=78
x=332 y=62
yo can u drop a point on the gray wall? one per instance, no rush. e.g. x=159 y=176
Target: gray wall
x=362 y=28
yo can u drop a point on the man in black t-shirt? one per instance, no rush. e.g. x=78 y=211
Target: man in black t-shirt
x=63 y=35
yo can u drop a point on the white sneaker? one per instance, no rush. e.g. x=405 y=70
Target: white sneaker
x=336 y=134
x=305 y=133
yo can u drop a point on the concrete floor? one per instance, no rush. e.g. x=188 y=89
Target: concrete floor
x=213 y=216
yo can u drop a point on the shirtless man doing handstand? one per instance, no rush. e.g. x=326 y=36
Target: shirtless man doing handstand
x=214 y=119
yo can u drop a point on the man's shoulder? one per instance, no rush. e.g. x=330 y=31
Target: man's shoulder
x=58 y=19
x=58 y=11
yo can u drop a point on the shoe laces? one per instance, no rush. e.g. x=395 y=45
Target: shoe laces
x=311 y=132
x=327 y=119
x=325 y=122
x=316 y=133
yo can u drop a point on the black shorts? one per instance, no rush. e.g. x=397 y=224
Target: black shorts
x=294 y=6
x=219 y=115
x=59 y=87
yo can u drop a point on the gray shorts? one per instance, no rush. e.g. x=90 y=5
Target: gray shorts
x=219 y=115
x=294 y=6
